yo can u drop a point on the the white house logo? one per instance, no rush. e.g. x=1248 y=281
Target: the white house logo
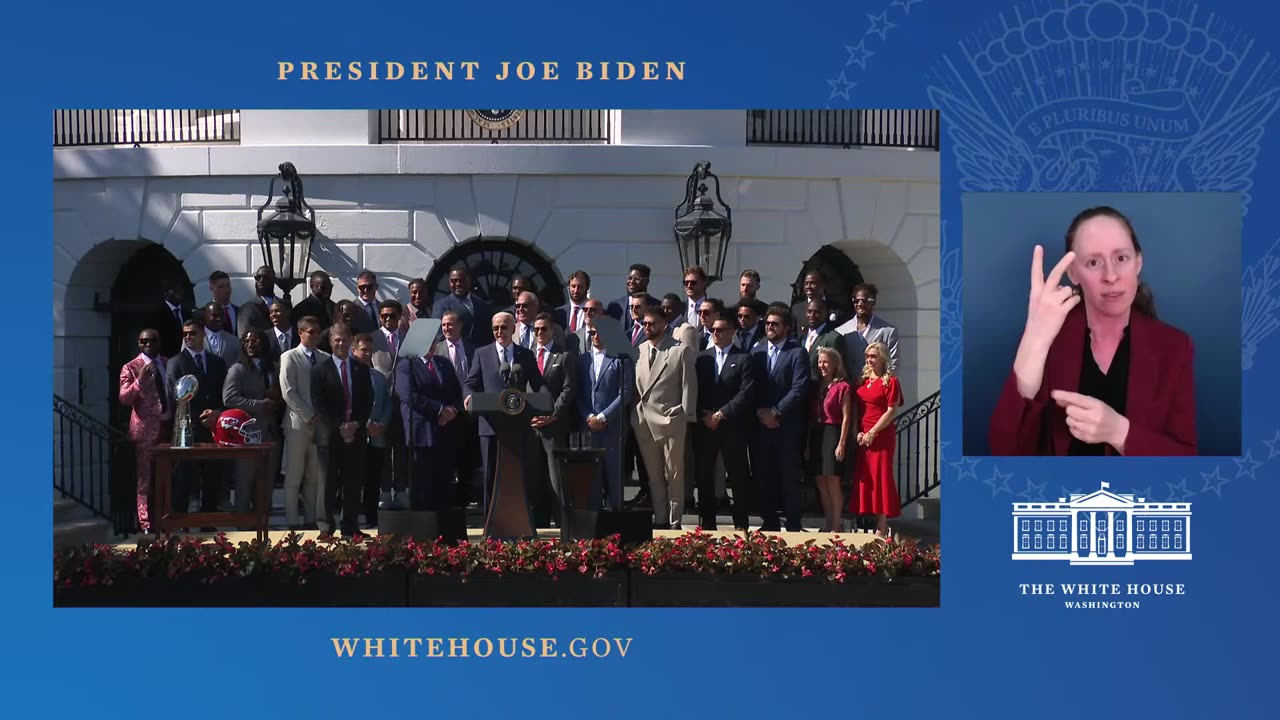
x=1122 y=96
x=495 y=119
x=1102 y=528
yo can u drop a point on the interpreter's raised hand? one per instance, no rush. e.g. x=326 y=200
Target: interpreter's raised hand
x=1049 y=302
x=1091 y=420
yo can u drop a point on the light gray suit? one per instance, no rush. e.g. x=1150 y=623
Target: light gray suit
x=227 y=347
x=302 y=465
x=245 y=390
x=253 y=314
x=667 y=396
x=855 y=343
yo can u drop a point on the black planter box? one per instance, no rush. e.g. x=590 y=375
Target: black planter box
x=687 y=589
x=518 y=591
x=387 y=589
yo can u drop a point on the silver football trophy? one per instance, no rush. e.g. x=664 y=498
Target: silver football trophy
x=183 y=433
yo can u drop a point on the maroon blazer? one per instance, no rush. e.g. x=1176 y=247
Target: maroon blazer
x=1161 y=404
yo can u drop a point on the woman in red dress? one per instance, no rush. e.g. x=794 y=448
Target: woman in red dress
x=879 y=396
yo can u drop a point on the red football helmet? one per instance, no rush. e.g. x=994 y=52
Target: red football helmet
x=236 y=427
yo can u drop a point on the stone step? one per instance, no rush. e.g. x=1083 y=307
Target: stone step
x=81 y=532
x=930 y=509
x=66 y=509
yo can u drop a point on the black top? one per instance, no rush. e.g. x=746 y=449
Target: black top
x=1111 y=387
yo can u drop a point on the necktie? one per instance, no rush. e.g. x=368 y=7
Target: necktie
x=431 y=368
x=199 y=362
x=506 y=356
x=460 y=360
x=312 y=359
x=542 y=359
x=653 y=355
x=808 y=343
x=524 y=339
x=573 y=321
x=177 y=315
x=635 y=336
x=719 y=362
x=373 y=312
x=231 y=318
x=346 y=387
x=773 y=356
x=284 y=340
x=164 y=400
x=391 y=340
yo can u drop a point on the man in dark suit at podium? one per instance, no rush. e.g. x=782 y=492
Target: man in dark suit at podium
x=430 y=395
x=494 y=368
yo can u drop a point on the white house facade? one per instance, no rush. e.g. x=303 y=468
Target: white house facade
x=399 y=209
x=1102 y=528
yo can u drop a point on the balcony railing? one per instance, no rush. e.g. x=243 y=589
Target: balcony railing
x=144 y=127
x=916 y=129
x=494 y=126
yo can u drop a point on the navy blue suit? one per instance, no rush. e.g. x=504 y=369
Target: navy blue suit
x=485 y=378
x=777 y=453
x=608 y=395
x=423 y=396
x=475 y=327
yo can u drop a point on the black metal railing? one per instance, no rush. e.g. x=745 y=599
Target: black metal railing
x=87 y=467
x=918 y=451
x=144 y=127
x=495 y=126
x=844 y=128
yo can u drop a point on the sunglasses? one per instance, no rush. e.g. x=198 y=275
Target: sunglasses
x=864 y=301
x=521 y=306
x=649 y=323
x=772 y=323
x=496 y=328
x=148 y=340
x=705 y=312
x=543 y=328
x=363 y=288
x=389 y=316
x=688 y=283
x=722 y=329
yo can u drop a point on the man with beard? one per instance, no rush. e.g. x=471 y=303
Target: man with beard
x=257 y=312
x=782 y=372
x=317 y=304
x=473 y=312
x=143 y=389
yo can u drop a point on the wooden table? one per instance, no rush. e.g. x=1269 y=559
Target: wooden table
x=166 y=457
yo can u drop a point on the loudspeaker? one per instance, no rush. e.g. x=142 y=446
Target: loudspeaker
x=634 y=526
x=425 y=525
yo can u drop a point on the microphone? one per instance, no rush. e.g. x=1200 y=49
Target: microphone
x=504 y=370
x=517 y=374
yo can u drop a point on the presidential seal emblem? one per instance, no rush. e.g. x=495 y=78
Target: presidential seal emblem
x=495 y=119
x=511 y=401
x=1107 y=96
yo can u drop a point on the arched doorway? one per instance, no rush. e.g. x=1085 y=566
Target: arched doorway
x=842 y=274
x=137 y=290
x=492 y=263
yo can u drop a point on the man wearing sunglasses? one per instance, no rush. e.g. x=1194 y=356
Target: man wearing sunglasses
x=366 y=320
x=257 y=312
x=864 y=328
x=782 y=368
x=144 y=392
x=558 y=369
x=605 y=385
x=666 y=403
x=211 y=374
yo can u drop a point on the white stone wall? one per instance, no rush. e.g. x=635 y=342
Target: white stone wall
x=394 y=209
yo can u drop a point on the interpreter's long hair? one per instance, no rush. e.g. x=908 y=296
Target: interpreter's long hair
x=1144 y=301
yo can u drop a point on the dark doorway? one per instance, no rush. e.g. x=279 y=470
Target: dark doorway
x=842 y=274
x=137 y=290
x=492 y=264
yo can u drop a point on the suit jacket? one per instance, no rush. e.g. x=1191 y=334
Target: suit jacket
x=786 y=388
x=209 y=390
x=484 y=377
x=276 y=350
x=245 y=389
x=253 y=314
x=228 y=348
x=384 y=404
x=423 y=395
x=326 y=388
x=828 y=338
x=560 y=373
x=475 y=327
x=745 y=343
x=1160 y=405
x=381 y=344
x=145 y=420
x=296 y=388
x=687 y=334
x=578 y=341
x=856 y=344
x=557 y=336
x=605 y=395
x=666 y=393
x=314 y=306
x=732 y=393
x=162 y=321
x=409 y=315
x=363 y=323
x=564 y=314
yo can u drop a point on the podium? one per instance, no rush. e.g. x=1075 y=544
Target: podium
x=509 y=413
x=582 y=518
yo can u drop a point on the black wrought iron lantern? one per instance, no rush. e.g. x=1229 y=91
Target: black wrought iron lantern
x=703 y=231
x=285 y=234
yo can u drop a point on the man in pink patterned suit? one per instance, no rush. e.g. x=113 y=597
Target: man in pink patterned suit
x=142 y=387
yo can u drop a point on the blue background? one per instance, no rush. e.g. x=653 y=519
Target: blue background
x=988 y=652
x=1190 y=254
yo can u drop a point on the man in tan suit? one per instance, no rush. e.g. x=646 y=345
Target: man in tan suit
x=302 y=466
x=666 y=394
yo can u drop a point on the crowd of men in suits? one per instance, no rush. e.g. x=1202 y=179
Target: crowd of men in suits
x=720 y=389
